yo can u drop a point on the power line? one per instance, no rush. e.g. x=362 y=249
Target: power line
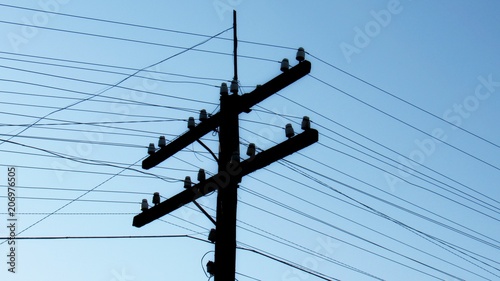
x=274 y=201
x=288 y=263
x=108 y=21
x=403 y=100
x=405 y=123
x=105 y=99
x=395 y=205
x=353 y=235
x=105 y=237
x=371 y=210
x=392 y=195
x=294 y=245
x=87 y=111
x=392 y=165
x=103 y=65
x=147 y=27
x=71 y=214
x=338 y=215
x=115 y=72
x=389 y=203
x=134 y=40
x=110 y=86
x=381 y=145
x=464 y=269
x=121 y=81
x=95 y=162
x=73 y=200
x=416 y=231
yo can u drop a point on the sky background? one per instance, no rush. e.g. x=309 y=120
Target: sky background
x=402 y=185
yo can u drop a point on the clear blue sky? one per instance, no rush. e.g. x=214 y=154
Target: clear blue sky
x=403 y=184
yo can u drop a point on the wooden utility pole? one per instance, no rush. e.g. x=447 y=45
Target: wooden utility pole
x=230 y=169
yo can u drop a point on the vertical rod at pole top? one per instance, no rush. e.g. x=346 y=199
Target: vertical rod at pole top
x=235 y=46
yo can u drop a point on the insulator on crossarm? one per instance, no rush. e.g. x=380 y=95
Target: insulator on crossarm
x=144 y=205
x=151 y=149
x=301 y=54
x=223 y=89
x=285 y=65
x=162 y=142
x=191 y=123
x=201 y=175
x=251 y=150
x=289 y=130
x=203 y=115
x=187 y=182
x=306 y=123
x=156 y=198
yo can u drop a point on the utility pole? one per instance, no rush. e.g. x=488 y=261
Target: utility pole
x=230 y=169
x=229 y=156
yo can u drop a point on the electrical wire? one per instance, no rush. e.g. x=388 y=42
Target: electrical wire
x=399 y=207
x=106 y=99
x=357 y=270
x=405 y=123
x=417 y=262
x=120 y=81
x=373 y=151
x=115 y=85
x=353 y=235
x=147 y=27
x=403 y=100
x=88 y=111
x=338 y=215
x=106 y=237
x=117 y=73
x=155 y=72
x=375 y=213
x=107 y=21
x=135 y=40
x=372 y=209
x=488 y=271
x=328 y=166
x=288 y=263
x=392 y=195
x=294 y=245
x=73 y=200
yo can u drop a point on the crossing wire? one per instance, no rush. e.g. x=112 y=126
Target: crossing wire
x=122 y=80
x=412 y=229
x=155 y=72
x=120 y=73
x=440 y=271
x=135 y=40
x=343 y=217
x=404 y=101
x=402 y=164
x=405 y=123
